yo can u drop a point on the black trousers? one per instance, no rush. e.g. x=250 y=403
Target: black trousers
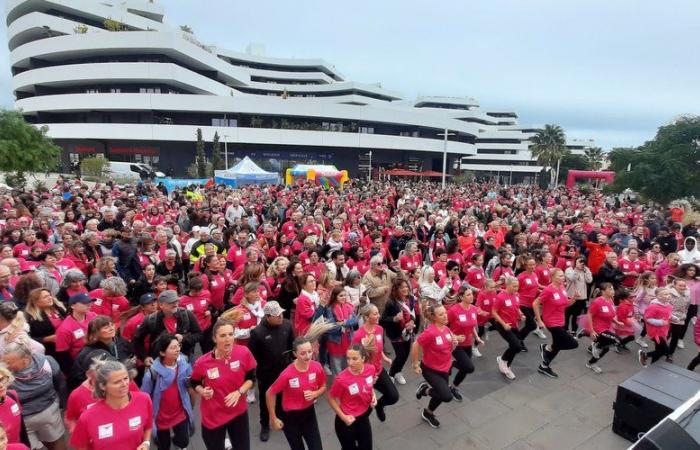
x=695 y=362
x=439 y=391
x=238 y=434
x=513 y=340
x=572 y=312
x=403 y=350
x=603 y=341
x=677 y=332
x=357 y=436
x=530 y=323
x=265 y=380
x=180 y=436
x=388 y=390
x=561 y=340
x=463 y=363
x=301 y=426
x=660 y=349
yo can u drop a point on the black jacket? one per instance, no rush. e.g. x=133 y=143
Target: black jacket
x=39 y=329
x=393 y=329
x=271 y=347
x=153 y=326
x=609 y=274
x=121 y=350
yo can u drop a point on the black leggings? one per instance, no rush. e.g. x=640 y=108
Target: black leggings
x=463 y=363
x=439 y=391
x=694 y=363
x=357 y=436
x=403 y=350
x=603 y=341
x=572 y=312
x=238 y=434
x=514 y=343
x=660 y=349
x=181 y=436
x=388 y=390
x=677 y=332
x=530 y=324
x=561 y=340
x=301 y=426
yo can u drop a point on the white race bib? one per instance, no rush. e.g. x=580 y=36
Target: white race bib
x=235 y=365
x=509 y=303
x=312 y=377
x=369 y=380
x=134 y=422
x=528 y=281
x=79 y=333
x=448 y=337
x=214 y=283
x=354 y=389
x=478 y=276
x=438 y=340
x=246 y=316
x=98 y=302
x=213 y=373
x=203 y=303
x=462 y=317
x=14 y=409
x=294 y=383
x=378 y=337
x=105 y=431
x=556 y=296
x=604 y=309
x=189 y=307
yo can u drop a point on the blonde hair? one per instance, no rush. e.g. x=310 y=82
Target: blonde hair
x=34 y=311
x=5 y=373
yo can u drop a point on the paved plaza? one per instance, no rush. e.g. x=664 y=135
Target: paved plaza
x=531 y=412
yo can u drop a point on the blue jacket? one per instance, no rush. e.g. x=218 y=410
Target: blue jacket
x=335 y=335
x=163 y=379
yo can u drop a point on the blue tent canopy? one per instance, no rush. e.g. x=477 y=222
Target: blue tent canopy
x=245 y=172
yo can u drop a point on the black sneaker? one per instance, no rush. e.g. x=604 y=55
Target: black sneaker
x=430 y=418
x=422 y=389
x=264 y=434
x=456 y=393
x=381 y=415
x=546 y=370
x=522 y=344
x=643 y=358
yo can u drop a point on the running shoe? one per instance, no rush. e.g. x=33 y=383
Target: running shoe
x=430 y=418
x=643 y=358
x=509 y=374
x=399 y=378
x=594 y=367
x=456 y=393
x=540 y=333
x=381 y=415
x=502 y=365
x=250 y=396
x=640 y=342
x=522 y=344
x=680 y=343
x=475 y=352
x=422 y=390
x=595 y=351
x=546 y=370
x=579 y=333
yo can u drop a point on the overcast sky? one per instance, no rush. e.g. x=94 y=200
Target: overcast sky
x=611 y=70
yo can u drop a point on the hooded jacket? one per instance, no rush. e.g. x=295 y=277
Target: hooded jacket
x=39 y=385
x=158 y=379
x=690 y=256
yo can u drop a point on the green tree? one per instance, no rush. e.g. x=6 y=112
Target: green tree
x=549 y=146
x=665 y=168
x=113 y=25
x=216 y=162
x=200 y=160
x=24 y=147
x=595 y=157
x=94 y=166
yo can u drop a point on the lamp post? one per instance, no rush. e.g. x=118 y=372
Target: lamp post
x=444 y=154
x=369 y=172
x=225 y=136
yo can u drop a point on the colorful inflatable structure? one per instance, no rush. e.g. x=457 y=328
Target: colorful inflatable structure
x=325 y=176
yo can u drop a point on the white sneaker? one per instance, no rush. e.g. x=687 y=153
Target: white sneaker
x=486 y=335
x=227 y=444
x=476 y=352
x=509 y=373
x=502 y=366
x=540 y=333
x=595 y=351
x=250 y=396
x=399 y=378
x=594 y=367
x=681 y=344
x=640 y=342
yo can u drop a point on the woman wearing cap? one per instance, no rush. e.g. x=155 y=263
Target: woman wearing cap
x=507 y=315
x=352 y=397
x=70 y=335
x=44 y=315
x=301 y=383
x=222 y=378
x=167 y=382
x=119 y=419
x=136 y=316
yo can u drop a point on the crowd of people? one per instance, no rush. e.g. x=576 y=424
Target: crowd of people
x=125 y=309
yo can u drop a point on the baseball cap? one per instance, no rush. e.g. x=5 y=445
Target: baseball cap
x=169 y=297
x=272 y=309
x=79 y=298
x=147 y=298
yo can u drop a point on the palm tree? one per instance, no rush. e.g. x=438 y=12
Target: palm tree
x=595 y=157
x=549 y=147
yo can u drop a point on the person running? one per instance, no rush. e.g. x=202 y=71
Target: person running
x=300 y=384
x=222 y=378
x=553 y=302
x=352 y=397
x=657 y=319
x=436 y=343
x=528 y=288
x=463 y=321
x=507 y=314
x=601 y=317
x=400 y=320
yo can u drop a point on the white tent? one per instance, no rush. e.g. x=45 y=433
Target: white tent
x=245 y=172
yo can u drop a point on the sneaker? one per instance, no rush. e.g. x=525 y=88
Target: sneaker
x=640 y=342
x=456 y=393
x=595 y=351
x=680 y=343
x=381 y=415
x=579 y=333
x=422 y=390
x=540 y=333
x=546 y=370
x=485 y=337
x=399 y=378
x=509 y=374
x=430 y=418
x=594 y=367
x=589 y=349
x=227 y=444
x=617 y=349
x=643 y=358
x=502 y=365
x=250 y=396
x=264 y=434
x=476 y=353
x=669 y=359
x=522 y=344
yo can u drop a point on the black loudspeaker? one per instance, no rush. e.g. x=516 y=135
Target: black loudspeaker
x=651 y=394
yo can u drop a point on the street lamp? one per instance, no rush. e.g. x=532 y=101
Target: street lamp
x=369 y=172
x=225 y=136
x=444 y=154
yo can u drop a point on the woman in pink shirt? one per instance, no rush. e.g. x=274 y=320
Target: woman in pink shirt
x=463 y=322
x=657 y=319
x=601 y=317
x=306 y=304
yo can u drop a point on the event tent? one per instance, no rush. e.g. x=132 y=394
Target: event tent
x=245 y=172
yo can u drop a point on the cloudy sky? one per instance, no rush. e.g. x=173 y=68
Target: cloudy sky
x=611 y=70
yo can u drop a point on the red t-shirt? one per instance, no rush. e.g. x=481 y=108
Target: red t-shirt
x=376 y=359
x=292 y=383
x=462 y=322
x=216 y=285
x=224 y=377
x=170 y=324
x=485 y=301
x=554 y=301
x=529 y=285
x=101 y=427
x=354 y=392
x=11 y=417
x=544 y=275
x=199 y=306
x=131 y=325
x=70 y=336
x=508 y=308
x=437 y=348
x=81 y=399
x=602 y=312
x=171 y=411
x=627 y=266
x=476 y=277
x=108 y=306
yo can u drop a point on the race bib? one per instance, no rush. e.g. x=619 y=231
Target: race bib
x=509 y=303
x=14 y=409
x=98 y=301
x=604 y=309
x=438 y=340
x=203 y=303
x=369 y=380
x=134 y=422
x=487 y=303
x=378 y=337
x=246 y=316
x=79 y=333
x=478 y=276
x=528 y=281
x=312 y=377
x=235 y=365
x=214 y=284
x=448 y=337
x=462 y=317
x=556 y=296
x=105 y=431
x=115 y=307
x=294 y=383
x=354 y=389
x=189 y=307
x=213 y=374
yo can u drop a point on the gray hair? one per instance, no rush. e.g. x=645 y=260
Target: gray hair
x=102 y=374
x=170 y=252
x=19 y=349
x=353 y=275
x=115 y=285
x=72 y=275
x=366 y=310
x=510 y=280
x=376 y=260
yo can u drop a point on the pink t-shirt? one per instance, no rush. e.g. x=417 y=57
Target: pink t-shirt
x=508 y=308
x=529 y=285
x=485 y=301
x=199 y=306
x=378 y=332
x=354 y=392
x=602 y=313
x=462 y=321
x=70 y=336
x=554 y=301
x=292 y=383
x=437 y=348
x=11 y=417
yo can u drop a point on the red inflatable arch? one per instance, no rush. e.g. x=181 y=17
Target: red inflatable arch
x=608 y=177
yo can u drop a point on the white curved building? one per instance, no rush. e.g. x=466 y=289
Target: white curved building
x=109 y=77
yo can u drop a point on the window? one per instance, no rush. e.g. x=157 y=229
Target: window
x=115 y=90
x=92 y=91
x=367 y=130
x=149 y=90
x=216 y=122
